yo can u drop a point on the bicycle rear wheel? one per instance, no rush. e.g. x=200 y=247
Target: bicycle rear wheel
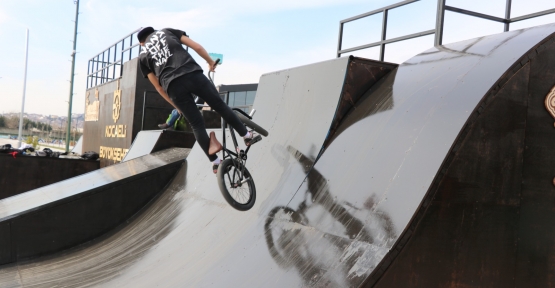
x=248 y=122
x=236 y=185
x=279 y=234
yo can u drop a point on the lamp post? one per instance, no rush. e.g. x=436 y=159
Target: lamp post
x=24 y=88
x=68 y=132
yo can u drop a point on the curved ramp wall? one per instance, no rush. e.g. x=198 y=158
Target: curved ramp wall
x=190 y=233
x=367 y=194
x=487 y=218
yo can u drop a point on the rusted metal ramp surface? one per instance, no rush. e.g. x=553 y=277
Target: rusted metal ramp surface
x=427 y=148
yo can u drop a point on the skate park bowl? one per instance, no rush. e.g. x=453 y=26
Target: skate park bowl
x=438 y=175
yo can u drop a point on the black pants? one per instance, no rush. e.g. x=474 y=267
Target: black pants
x=181 y=90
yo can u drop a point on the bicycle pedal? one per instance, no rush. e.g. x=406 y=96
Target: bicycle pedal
x=256 y=139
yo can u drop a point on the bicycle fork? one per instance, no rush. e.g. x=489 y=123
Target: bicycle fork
x=241 y=156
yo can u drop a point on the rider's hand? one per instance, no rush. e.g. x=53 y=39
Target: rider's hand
x=211 y=66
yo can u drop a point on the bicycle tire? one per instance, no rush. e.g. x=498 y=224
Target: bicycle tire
x=281 y=260
x=254 y=126
x=227 y=166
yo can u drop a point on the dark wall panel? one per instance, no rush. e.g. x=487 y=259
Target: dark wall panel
x=468 y=236
x=25 y=173
x=5 y=243
x=68 y=224
x=489 y=214
x=535 y=262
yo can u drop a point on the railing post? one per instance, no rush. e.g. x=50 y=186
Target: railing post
x=121 y=58
x=103 y=70
x=96 y=73
x=114 y=66
x=508 y=15
x=439 y=22
x=88 y=73
x=339 y=40
x=384 y=34
x=130 y=45
x=108 y=70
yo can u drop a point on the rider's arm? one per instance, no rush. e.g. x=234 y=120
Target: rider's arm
x=200 y=51
x=154 y=80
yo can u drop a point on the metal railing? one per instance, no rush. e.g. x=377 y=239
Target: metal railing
x=106 y=67
x=438 y=31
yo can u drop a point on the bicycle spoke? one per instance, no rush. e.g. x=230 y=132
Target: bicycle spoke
x=237 y=190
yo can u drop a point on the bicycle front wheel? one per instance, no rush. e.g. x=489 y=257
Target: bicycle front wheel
x=236 y=185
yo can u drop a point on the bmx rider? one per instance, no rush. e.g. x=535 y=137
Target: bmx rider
x=176 y=76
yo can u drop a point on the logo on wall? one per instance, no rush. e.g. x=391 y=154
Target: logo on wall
x=116 y=109
x=550 y=106
x=550 y=103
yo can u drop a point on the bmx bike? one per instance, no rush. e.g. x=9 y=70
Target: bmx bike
x=234 y=179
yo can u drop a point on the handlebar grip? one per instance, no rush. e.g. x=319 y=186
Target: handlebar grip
x=217 y=62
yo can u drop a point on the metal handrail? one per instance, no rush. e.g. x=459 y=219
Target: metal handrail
x=533 y=15
x=385 y=11
x=106 y=67
x=130 y=48
x=397 y=5
x=388 y=41
x=117 y=42
x=476 y=14
x=438 y=31
x=102 y=67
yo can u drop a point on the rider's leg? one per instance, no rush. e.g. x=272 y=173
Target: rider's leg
x=201 y=86
x=173 y=118
x=183 y=99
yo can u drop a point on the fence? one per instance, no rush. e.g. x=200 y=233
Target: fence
x=106 y=67
x=438 y=31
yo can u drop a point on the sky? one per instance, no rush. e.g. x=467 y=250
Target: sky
x=255 y=37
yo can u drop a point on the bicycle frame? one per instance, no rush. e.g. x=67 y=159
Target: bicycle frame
x=239 y=154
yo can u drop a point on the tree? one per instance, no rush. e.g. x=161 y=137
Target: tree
x=2 y=121
x=12 y=122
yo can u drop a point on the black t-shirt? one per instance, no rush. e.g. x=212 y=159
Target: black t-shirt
x=164 y=55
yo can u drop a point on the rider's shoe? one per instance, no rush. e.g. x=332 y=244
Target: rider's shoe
x=165 y=126
x=253 y=139
x=216 y=165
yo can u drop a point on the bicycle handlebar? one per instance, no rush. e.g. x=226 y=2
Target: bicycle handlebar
x=215 y=64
